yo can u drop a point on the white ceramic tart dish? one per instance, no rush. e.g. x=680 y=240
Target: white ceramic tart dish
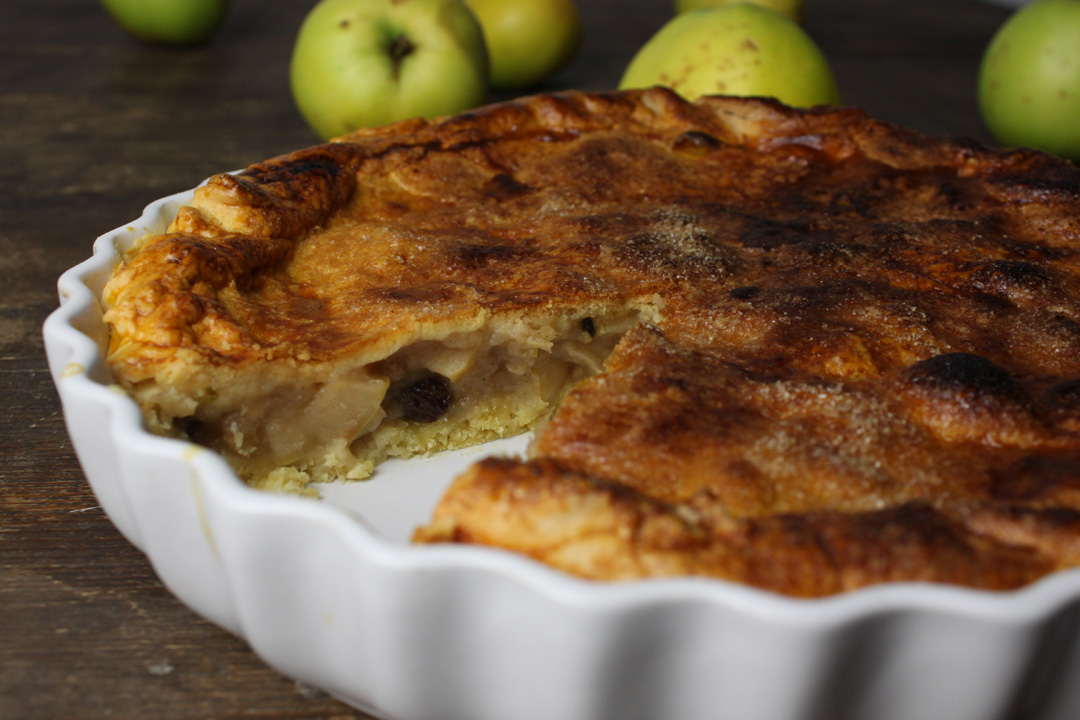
x=331 y=593
x=850 y=362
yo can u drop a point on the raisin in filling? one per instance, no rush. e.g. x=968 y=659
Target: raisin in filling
x=427 y=399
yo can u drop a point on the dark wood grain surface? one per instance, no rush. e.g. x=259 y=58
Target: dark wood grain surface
x=94 y=125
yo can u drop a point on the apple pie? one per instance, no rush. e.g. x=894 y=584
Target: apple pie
x=799 y=349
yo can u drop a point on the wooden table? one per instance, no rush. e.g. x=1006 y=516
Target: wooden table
x=94 y=126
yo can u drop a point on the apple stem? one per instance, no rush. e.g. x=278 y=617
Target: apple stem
x=400 y=49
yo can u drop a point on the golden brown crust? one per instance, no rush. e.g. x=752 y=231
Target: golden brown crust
x=581 y=196
x=608 y=531
x=790 y=482
x=865 y=367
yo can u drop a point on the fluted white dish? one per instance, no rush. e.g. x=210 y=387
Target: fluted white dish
x=331 y=593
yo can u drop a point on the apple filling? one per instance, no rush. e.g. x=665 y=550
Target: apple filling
x=464 y=388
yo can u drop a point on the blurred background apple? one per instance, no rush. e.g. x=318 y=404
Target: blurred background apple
x=363 y=63
x=172 y=22
x=792 y=9
x=528 y=40
x=1029 y=80
x=736 y=49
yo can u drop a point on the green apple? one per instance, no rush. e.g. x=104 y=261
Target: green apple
x=364 y=63
x=1029 y=81
x=172 y=22
x=791 y=9
x=740 y=49
x=527 y=40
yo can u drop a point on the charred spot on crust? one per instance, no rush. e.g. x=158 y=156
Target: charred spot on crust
x=968 y=379
x=427 y=399
x=746 y=292
x=700 y=139
x=474 y=256
x=1041 y=180
x=1063 y=330
x=1011 y=278
x=964 y=397
x=1037 y=477
x=764 y=234
x=991 y=304
x=1063 y=404
x=1065 y=395
x=432 y=293
x=695 y=142
x=502 y=186
x=321 y=168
